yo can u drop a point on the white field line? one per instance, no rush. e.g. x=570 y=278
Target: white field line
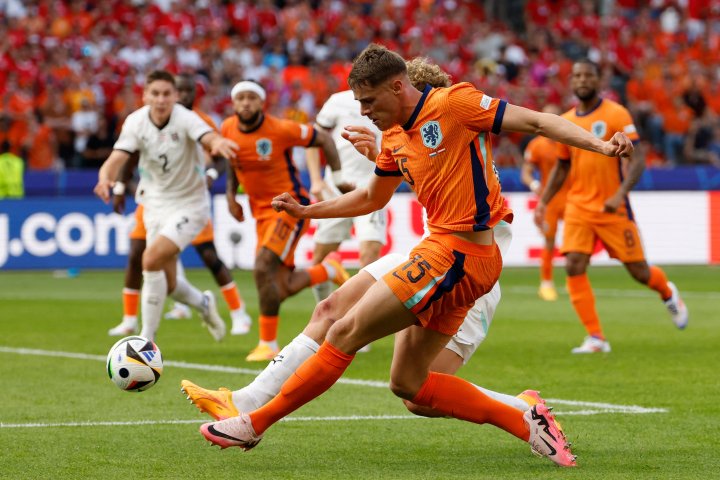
x=638 y=292
x=594 y=408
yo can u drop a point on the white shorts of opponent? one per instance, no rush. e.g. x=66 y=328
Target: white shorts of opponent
x=368 y=228
x=474 y=329
x=181 y=226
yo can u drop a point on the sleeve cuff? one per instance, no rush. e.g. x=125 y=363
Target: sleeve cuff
x=499 y=113
x=387 y=173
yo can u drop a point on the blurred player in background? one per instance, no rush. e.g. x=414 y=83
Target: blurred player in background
x=339 y=111
x=223 y=403
x=265 y=168
x=598 y=207
x=173 y=192
x=203 y=243
x=541 y=156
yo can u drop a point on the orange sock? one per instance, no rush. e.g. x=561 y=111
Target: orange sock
x=583 y=301
x=232 y=296
x=659 y=282
x=318 y=274
x=312 y=379
x=546 y=265
x=130 y=302
x=268 y=327
x=456 y=397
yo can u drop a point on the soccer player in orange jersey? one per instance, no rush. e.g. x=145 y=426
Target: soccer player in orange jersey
x=598 y=207
x=541 y=155
x=438 y=141
x=204 y=245
x=265 y=168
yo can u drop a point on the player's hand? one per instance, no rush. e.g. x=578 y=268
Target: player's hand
x=619 y=145
x=224 y=147
x=118 y=203
x=613 y=203
x=286 y=203
x=539 y=215
x=102 y=190
x=317 y=188
x=363 y=139
x=236 y=211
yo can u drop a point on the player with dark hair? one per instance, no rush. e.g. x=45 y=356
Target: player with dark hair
x=598 y=208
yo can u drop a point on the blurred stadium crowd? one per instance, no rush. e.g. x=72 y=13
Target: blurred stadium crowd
x=72 y=70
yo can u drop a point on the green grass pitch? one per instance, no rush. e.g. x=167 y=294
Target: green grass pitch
x=653 y=408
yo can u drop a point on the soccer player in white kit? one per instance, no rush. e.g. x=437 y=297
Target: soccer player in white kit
x=340 y=110
x=173 y=191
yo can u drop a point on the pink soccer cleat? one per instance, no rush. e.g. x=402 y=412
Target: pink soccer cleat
x=232 y=432
x=546 y=439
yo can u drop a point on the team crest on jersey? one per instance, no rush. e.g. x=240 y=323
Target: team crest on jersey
x=599 y=129
x=431 y=134
x=263 y=147
x=175 y=137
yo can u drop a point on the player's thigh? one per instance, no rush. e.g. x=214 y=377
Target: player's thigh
x=337 y=304
x=621 y=239
x=475 y=326
x=377 y=314
x=415 y=350
x=332 y=230
x=322 y=250
x=281 y=235
x=178 y=228
x=578 y=236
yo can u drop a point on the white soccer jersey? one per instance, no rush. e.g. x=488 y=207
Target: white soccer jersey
x=339 y=111
x=171 y=165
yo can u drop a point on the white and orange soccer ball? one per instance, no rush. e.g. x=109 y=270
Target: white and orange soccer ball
x=134 y=364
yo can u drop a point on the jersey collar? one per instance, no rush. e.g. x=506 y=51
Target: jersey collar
x=262 y=120
x=585 y=114
x=408 y=125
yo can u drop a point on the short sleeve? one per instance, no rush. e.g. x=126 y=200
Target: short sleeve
x=194 y=125
x=474 y=109
x=624 y=123
x=385 y=165
x=128 y=139
x=298 y=134
x=327 y=116
x=562 y=152
x=531 y=155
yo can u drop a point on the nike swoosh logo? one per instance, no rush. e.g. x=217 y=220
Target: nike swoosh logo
x=552 y=450
x=220 y=434
x=397 y=149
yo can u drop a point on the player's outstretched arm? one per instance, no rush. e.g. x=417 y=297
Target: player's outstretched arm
x=520 y=119
x=108 y=173
x=363 y=139
x=353 y=204
x=325 y=141
x=526 y=177
x=317 y=184
x=219 y=145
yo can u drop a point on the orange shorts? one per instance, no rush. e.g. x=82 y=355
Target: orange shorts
x=553 y=214
x=618 y=234
x=139 y=232
x=443 y=279
x=280 y=233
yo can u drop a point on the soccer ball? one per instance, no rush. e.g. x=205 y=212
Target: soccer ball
x=134 y=364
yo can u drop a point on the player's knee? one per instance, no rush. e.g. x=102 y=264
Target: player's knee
x=402 y=389
x=640 y=272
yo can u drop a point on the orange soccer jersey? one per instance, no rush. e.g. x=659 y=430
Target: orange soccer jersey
x=264 y=162
x=444 y=152
x=595 y=177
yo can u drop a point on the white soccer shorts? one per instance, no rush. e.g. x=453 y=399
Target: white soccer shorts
x=180 y=226
x=368 y=228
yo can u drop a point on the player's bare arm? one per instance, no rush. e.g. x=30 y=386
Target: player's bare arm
x=353 y=204
x=232 y=185
x=317 y=183
x=363 y=139
x=219 y=145
x=108 y=173
x=520 y=119
x=558 y=175
x=526 y=177
x=635 y=169
x=122 y=183
x=326 y=143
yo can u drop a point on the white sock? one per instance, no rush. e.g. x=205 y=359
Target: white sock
x=267 y=384
x=189 y=295
x=179 y=270
x=321 y=291
x=152 y=302
x=329 y=269
x=506 y=399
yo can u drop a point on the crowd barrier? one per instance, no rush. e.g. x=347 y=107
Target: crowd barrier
x=59 y=233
